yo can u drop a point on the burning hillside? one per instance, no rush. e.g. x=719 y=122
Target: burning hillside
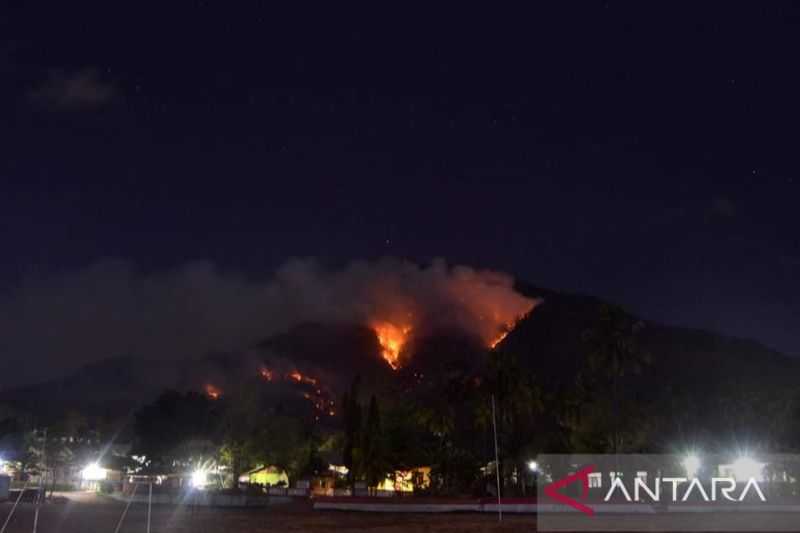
x=392 y=339
x=149 y=313
x=408 y=302
x=320 y=397
x=214 y=393
x=373 y=319
x=401 y=301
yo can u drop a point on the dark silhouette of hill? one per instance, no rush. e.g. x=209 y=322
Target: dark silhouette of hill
x=691 y=370
x=696 y=379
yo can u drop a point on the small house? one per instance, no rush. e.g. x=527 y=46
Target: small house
x=268 y=476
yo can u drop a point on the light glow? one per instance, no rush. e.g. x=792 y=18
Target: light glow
x=533 y=466
x=199 y=478
x=745 y=467
x=93 y=472
x=213 y=392
x=691 y=464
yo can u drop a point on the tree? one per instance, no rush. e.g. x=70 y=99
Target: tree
x=175 y=425
x=373 y=449
x=519 y=405
x=244 y=417
x=614 y=356
x=309 y=462
x=408 y=441
x=445 y=408
x=352 y=431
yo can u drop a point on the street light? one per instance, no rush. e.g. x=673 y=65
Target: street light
x=691 y=463
x=94 y=472
x=199 y=478
x=746 y=467
x=533 y=466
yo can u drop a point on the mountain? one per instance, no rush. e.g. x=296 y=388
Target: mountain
x=550 y=339
x=696 y=381
x=691 y=370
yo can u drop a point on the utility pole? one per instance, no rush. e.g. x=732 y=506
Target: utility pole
x=496 y=463
x=42 y=483
x=149 y=505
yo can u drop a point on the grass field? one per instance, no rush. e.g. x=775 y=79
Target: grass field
x=88 y=513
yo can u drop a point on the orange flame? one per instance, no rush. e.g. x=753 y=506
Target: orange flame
x=318 y=396
x=506 y=329
x=300 y=378
x=497 y=340
x=213 y=392
x=392 y=338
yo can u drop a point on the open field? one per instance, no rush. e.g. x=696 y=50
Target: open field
x=87 y=513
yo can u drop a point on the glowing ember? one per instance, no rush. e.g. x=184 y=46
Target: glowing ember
x=315 y=392
x=391 y=338
x=213 y=392
x=300 y=378
x=498 y=340
x=508 y=328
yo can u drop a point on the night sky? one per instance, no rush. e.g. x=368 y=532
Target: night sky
x=646 y=152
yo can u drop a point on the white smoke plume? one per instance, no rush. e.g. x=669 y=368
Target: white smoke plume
x=109 y=309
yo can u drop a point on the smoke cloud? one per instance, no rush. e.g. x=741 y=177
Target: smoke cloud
x=53 y=325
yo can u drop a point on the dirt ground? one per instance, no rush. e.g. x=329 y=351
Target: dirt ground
x=88 y=513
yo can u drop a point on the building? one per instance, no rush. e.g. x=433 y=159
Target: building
x=407 y=480
x=268 y=476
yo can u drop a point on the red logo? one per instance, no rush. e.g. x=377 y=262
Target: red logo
x=583 y=475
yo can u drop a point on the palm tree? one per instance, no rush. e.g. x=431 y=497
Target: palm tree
x=614 y=355
x=518 y=406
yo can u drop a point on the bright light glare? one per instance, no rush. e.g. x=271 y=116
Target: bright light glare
x=533 y=466
x=746 y=467
x=199 y=478
x=93 y=472
x=691 y=463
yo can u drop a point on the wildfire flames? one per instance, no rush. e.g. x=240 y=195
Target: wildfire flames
x=392 y=339
x=300 y=378
x=401 y=301
x=506 y=329
x=497 y=340
x=213 y=392
x=318 y=395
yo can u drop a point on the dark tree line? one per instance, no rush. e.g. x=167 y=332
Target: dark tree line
x=619 y=399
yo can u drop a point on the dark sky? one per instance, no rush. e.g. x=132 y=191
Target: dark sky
x=643 y=152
